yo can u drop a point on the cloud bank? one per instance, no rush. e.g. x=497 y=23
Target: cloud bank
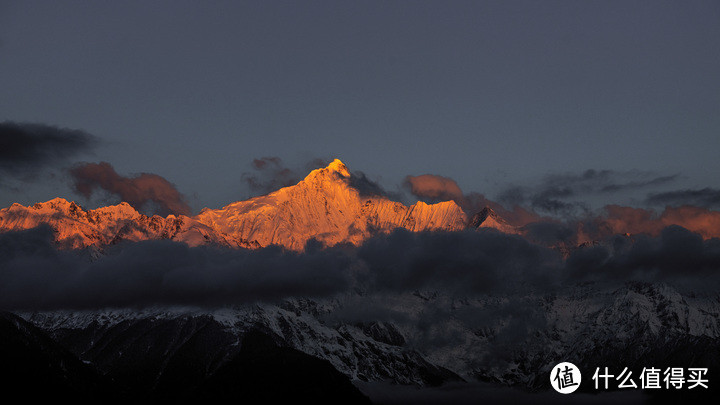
x=35 y=275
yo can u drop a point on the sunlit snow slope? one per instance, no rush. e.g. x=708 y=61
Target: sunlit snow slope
x=325 y=206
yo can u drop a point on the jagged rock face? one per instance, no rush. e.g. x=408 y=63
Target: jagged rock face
x=75 y=228
x=436 y=338
x=146 y=348
x=487 y=218
x=40 y=370
x=324 y=206
x=182 y=359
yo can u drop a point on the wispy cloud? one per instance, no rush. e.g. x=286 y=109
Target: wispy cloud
x=706 y=197
x=567 y=194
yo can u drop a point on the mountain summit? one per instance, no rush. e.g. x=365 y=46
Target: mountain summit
x=325 y=205
x=339 y=167
x=487 y=218
x=75 y=228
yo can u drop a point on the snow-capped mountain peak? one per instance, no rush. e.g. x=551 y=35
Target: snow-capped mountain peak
x=339 y=167
x=487 y=218
x=323 y=206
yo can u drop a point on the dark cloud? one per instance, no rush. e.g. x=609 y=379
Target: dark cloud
x=706 y=198
x=262 y=163
x=456 y=265
x=550 y=233
x=25 y=149
x=35 y=242
x=677 y=256
x=34 y=275
x=602 y=181
x=367 y=187
x=631 y=185
x=467 y=262
x=550 y=201
x=490 y=262
x=270 y=174
x=146 y=191
x=559 y=194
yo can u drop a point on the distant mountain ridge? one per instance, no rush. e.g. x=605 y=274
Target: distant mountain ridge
x=634 y=325
x=75 y=228
x=324 y=206
x=487 y=218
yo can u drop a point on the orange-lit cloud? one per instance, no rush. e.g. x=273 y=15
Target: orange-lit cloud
x=637 y=220
x=144 y=191
x=434 y=187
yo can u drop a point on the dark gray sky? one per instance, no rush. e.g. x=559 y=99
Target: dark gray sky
x=488 y=93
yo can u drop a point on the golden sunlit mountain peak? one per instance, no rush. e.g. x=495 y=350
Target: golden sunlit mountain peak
x=335 y=170
x=339 y=167
x=326 y=206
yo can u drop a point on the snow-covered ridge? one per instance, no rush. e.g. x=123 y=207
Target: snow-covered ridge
x=513 y=339
x=324 y=206
x=75 y=228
